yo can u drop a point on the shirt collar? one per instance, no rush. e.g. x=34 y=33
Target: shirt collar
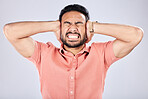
x=63 y=51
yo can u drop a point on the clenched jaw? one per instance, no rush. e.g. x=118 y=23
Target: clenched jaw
x=73 y=36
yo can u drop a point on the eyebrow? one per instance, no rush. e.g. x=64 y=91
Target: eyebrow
x=67 y=22
x=79 y=22
x=75 y=22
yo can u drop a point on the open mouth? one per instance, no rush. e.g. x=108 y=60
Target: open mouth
x=72 y=36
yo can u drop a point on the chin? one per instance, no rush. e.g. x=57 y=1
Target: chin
x=73 y=45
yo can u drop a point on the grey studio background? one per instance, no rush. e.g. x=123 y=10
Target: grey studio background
x=126 y=78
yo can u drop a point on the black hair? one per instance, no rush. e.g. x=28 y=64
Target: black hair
x=74 y=7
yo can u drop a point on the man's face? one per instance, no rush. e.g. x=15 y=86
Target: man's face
x=73 y=29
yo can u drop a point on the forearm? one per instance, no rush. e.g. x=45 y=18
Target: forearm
x=121 y=32
x=25 y=29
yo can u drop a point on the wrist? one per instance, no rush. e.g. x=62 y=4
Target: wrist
x=54 y=25
x=93 y=25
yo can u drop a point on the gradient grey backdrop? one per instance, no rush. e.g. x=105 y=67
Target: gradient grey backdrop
x=126 y=78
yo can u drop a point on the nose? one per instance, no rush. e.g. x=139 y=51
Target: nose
x=73 y=28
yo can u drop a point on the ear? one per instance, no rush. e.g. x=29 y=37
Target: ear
x=87 y=32
x=60 y=33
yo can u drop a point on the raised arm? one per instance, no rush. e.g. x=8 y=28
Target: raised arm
x=127 y=37
x=18 y=34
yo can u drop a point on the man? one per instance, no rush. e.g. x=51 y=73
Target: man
x=73 y=71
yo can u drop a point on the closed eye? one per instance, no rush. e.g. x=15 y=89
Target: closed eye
x=66 y=22
x=79 y=23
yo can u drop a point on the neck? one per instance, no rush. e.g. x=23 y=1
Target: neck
x=74 y=50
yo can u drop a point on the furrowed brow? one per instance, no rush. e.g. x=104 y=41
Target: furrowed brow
x=67 y=22
x=79 y=22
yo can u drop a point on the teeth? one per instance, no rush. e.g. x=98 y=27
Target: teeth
x=72 y=36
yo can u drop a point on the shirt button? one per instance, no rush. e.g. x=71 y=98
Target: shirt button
x=74 y=57
x=71 y=92
x=72 y=77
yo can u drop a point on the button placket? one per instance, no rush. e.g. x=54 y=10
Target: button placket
x=74 y=62
x=72 y=83
x=71 y=77
x=74 y=57
x=71 y=92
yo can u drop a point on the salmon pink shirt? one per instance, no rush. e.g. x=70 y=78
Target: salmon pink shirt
x=67 y=76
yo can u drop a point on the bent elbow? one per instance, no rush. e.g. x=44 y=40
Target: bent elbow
x=8 y=30
x=138 y=35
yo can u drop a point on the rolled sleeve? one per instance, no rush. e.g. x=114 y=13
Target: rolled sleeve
x=35 y=58
x=109 y=54
x=106 y=53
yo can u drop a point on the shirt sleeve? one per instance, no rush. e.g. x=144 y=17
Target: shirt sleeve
x=105 y=51
x=35 y=58
x=109 y=54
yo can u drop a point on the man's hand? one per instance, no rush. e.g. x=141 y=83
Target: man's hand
x=89 y=28
x=57 y=30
